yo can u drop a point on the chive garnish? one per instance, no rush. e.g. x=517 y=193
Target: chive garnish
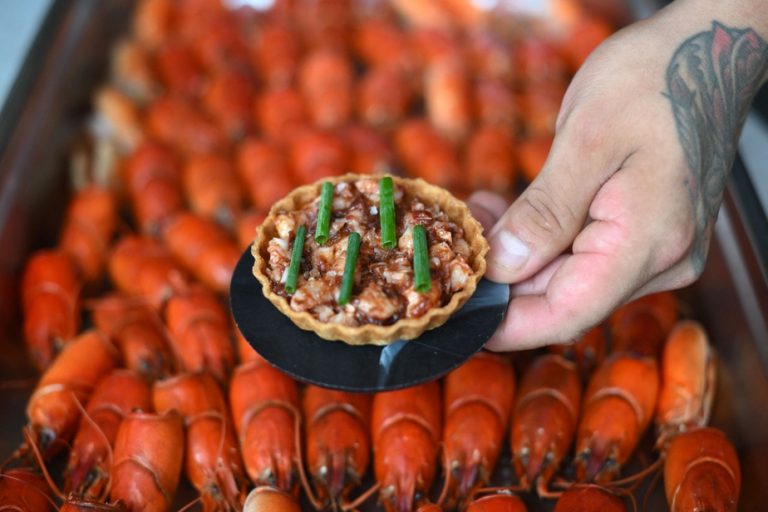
x=421 y=279
x=324 y=213
x=348 y=280
x=293 y=270
x=387 y=213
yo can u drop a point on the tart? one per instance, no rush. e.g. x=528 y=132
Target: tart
x=384 y=304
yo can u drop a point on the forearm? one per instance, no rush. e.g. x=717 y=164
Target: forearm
x=716 y=66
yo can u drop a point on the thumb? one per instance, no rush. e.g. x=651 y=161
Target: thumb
x=543 y=222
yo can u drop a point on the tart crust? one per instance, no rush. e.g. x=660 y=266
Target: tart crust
x=373 y=334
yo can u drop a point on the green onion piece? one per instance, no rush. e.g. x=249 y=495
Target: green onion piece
x=387 y=213
x=353 y=250
x=421 y=280
x=324 y=213
x=293 y=270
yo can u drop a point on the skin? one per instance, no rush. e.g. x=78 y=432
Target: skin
x=625 y=203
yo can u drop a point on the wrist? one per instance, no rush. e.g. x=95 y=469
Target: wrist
x=741 y=14
x=684 y=19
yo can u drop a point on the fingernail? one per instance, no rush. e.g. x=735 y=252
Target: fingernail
x=508 y=251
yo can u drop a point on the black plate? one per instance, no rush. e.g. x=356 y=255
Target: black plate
x=309 y=358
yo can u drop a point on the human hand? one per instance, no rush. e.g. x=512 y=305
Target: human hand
x=625 y=203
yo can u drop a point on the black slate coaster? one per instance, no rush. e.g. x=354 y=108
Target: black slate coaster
x=334 y=364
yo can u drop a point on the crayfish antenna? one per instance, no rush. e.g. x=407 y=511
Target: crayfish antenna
x=84 y=484
x=311 y=496
x=29 y=438
x=635 y=480
x=649 y=491
x=365 y=496
x=544 y=492
x=191 y=504
x=445 y=490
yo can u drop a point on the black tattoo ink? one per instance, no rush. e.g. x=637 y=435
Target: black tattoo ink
x=711 y=81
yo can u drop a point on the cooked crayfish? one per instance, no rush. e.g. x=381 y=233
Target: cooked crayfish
x=316 y=154
x=701 y=472
x=587 y=353
x=447 y=92
x=276 y=51
x=588 y=498
x=280 y=113
x=246 y=227
x=489 y=160
x=687 y=381
x=204 y=248
x=263 y=170
x=50 y=292
x=270 y=499
x=545 y=418
x=23 y=489
x=642 y=325
x=177 y=122
x=406 y=433
x=212 y=459
x=383 y=98
x=152 y=178
x=200 y=333
x=88 y=470
x=338 y=440
x=265 y=409
x=89 y=225
x=147 y=461
x=54 y=408
x=143 y=267
x=212 y=189
x=477 y=400
x=427 y=154
x=499 y=502
x=618 y=406
x=137 y=331
x=326 y=79
x=369 y=151
x=228 y=98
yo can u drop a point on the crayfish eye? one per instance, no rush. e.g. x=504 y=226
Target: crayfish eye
x=45 y=438
x=268 y=476
x=524 y=455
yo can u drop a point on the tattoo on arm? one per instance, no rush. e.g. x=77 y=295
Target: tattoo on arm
x=711 y=81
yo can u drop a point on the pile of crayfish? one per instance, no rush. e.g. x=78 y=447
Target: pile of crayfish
x=210 y=115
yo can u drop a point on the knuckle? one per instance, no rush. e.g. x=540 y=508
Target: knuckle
x=583 y=129
x=675 y=246
x=543 y=215
x=587 y=134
